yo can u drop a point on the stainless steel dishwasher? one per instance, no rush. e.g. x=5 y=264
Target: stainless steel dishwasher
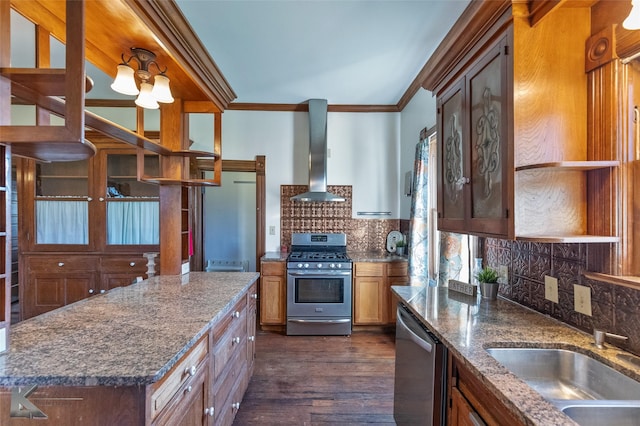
x=420 y=381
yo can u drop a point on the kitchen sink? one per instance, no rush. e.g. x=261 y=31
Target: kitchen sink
x=588 y=391
x=598 y=414
x=560 y=374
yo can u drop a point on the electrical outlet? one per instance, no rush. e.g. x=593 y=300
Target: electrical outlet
x=582 y=299
x=551 y=288
x=503 y=274
x=272 y=230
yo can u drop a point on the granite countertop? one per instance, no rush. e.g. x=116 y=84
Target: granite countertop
x=374 y=256
x=129 y=336
x=274 y=256
x=468 y=325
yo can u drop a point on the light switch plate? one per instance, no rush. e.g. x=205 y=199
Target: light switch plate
x=272 y=230
x=551 y=288
x=582 y=299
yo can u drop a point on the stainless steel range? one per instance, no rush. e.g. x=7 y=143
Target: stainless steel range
x=318 y=285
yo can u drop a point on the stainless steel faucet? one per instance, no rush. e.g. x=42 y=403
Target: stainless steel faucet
x=600 y=335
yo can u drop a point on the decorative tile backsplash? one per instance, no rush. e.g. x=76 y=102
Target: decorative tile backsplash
x=615 y=308
x=362 y=234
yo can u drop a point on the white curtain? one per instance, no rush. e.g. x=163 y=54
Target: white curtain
x=62 y=222
x=133 y=222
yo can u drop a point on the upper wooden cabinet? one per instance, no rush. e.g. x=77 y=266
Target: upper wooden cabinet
x=512 y=120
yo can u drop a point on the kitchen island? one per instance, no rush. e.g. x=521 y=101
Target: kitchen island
x=468 y=325
x=125 y=356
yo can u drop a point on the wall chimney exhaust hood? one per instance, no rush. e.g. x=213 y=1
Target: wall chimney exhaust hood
x=317 y=156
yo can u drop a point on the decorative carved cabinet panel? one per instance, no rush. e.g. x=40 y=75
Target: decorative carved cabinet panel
x=473 y=156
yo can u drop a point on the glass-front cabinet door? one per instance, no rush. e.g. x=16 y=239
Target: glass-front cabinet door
x=453 y=177
x=62 y=200
x=132 y=207
x=488 y=139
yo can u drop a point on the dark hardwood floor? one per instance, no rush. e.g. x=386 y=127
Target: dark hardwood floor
x=321 y=380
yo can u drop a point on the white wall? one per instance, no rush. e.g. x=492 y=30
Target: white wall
x=418 y=114
x=363 y=146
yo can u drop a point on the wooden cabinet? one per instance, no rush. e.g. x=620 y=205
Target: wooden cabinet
x=512 y=115
x=273 y=293
x=252 y=327
x=85 y=227
x=470 y=403
x=174 y=399
x=369 y=301
x=232 y=366
x=373 y=303
x=473 y=158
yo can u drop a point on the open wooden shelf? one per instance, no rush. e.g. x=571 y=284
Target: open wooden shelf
x=46 y=81
x=570 y=165
x=568 y=238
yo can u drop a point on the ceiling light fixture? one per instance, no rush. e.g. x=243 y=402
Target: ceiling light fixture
x=149 y=95
x=633 y=20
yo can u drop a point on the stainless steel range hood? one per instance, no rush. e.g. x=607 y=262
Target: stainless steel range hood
x=317 y=156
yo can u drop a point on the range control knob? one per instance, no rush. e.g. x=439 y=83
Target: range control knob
x=333 y=265
x=319 y=265
x=306 y=265
x=299 y=265
x=339 y=265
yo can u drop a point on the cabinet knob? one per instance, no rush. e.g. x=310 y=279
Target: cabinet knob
x=90 y=291
x=89 y=199
x=103 y=291
x=132 y=263
x=252 y=338
x=61 y=264
x=191 y=371
x=254 y=296
x=235 y=405
x=236 y=314
x=101 y=198
x=209 y=411
x=235 y=340
x=188 y=389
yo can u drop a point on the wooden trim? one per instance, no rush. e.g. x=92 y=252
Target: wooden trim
x=261 y=217
x=165 y=19
x=303 y=107
x=468 y=30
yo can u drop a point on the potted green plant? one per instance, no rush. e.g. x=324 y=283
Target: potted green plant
x=400 y=244
x=488 y=280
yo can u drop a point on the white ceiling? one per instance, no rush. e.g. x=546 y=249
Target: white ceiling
x=356 y=52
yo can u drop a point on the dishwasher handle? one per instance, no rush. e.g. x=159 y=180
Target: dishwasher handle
x=413 y=336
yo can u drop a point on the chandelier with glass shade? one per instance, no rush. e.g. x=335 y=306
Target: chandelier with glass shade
x=148 y=95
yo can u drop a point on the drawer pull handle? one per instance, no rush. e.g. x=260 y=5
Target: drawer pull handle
x=191 y=371
x=235 y=340
x=61 y=264
x=235 y=405
x=132 y=264
x=252 y=338
x=209 y=411
x=188 y=389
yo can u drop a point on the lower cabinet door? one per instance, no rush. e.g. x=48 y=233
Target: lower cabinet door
x=48 y=291
x=190 y=404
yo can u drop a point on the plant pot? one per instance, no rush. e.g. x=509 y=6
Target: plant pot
x=489 y=290
x=399 y=251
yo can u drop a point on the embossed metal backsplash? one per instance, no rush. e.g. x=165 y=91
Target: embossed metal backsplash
x=362 y=234
x=614 y=308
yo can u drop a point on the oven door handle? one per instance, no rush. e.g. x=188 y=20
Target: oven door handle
x=318 y=273
x=320 y=321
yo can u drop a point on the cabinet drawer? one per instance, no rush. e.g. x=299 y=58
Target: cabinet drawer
x=133 y=264
x=272 y=268
x=230 y=342
x=63 y=264
x=185 y=369
x=398 y=269
x=224 y=385
x=369 y=269
x=227 y=412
